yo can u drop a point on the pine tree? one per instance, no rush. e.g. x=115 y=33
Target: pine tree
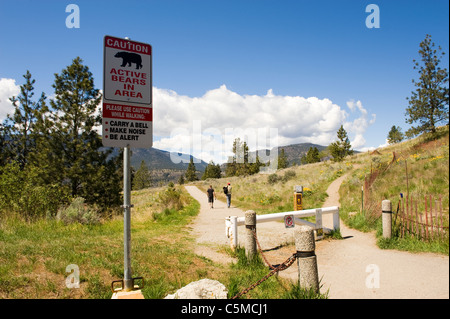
x=190 y=172
x=255 y=167
x=395 y=135
x=73 y=154
x=313 y=155
x=21 y=128
x=342 y=146
x=212 y=171
x=282 y=160
x=238 y=164
x=428 y=104
x=142 y=177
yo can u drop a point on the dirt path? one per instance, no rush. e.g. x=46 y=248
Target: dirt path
x=346 y=267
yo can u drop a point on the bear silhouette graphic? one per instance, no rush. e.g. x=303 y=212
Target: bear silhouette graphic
x=128 y=58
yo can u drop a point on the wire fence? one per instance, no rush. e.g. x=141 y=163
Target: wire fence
x=426 y=225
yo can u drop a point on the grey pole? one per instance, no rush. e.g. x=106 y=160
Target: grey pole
x=250 y=226
x=128 y=283
x=386 y=208
x=306 y=258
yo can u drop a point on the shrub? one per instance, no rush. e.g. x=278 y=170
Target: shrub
x=273 y=178
x=78 y=212
x=289 y=175
x=171 y=198
x=22 y=192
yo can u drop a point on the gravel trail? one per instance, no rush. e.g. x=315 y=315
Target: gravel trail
x=352 y=268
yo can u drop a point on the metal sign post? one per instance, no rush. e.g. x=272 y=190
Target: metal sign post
x=127 y=282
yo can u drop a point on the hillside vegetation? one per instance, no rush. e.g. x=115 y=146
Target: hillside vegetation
x=34 y=254
x=425 y=159
x=271 y=193
x=418 y=168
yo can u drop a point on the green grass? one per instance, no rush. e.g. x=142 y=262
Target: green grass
x=245 y=272
x=34 y=255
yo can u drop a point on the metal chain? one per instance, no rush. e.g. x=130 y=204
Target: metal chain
x=285 y=265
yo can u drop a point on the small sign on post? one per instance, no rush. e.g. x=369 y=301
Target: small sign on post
x=298 y=196
x=289 y=221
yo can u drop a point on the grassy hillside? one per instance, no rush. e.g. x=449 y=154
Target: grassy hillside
x=269 y=193
x=420 y=168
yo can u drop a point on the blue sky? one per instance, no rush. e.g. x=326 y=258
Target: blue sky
x=232 y=57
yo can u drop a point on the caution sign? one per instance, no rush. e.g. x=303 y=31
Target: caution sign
x=289 y=221
x=127 y=94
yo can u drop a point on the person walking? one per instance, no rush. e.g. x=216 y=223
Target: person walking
x=228 y=193
x=211 y=196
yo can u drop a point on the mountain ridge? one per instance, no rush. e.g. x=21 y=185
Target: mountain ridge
x=157 y=159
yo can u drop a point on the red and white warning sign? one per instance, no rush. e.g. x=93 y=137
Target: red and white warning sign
x=127 y=93
x=289 y=221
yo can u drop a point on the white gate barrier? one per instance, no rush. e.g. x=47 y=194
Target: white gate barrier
x=232 y=222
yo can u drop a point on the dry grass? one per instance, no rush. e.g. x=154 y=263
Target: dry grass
x=420 y=168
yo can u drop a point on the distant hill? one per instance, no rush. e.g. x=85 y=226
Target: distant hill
x=160 y=160
x=293 y=152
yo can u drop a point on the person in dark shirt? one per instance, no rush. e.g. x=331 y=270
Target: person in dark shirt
x=228 y=193
x=211 y=196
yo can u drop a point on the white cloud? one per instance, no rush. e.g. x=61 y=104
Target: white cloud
x=358 y=126
x=8 y=88
x=206 y=126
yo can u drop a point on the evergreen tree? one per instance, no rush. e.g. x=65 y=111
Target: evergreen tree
x=282 y=160
x=4 y=158
x=73 y=153
x=142 y=177
x=190 y=172
x=21 y=129
x=428 y=104
x=239 y=163
x=181 y=180
x=342 y=146
x=212 y=171
x=313 y=155
x=395 y=135
x=255 y=167
x=240 y=150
